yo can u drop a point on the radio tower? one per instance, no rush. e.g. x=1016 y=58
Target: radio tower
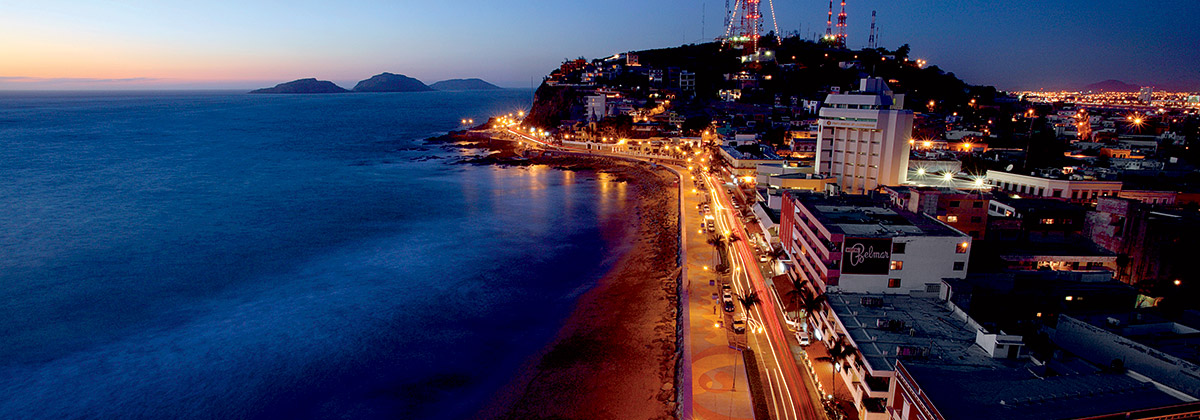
x=829 y=23
x=744 y=25
x=841 y=25
x=871 y=40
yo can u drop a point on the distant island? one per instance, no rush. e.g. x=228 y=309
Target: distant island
x=383 y=82
x=391 y=82
x=309 y=85
x=464 y=84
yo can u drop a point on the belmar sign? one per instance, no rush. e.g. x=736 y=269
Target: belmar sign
x=866 y=255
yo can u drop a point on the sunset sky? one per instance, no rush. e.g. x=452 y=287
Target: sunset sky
x=171 y=44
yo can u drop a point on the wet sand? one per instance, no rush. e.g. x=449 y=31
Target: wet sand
x=615 y=357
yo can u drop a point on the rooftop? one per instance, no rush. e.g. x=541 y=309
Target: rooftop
x=865 y=217
x=967 y=392
x=922 y=328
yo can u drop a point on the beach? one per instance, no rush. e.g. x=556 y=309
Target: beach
x=614 y=358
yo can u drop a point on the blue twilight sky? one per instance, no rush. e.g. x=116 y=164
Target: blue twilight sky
x=1015 y=44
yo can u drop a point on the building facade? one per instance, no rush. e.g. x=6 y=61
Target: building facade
x=862 y=246
x=864 y=138
x=1085 y=191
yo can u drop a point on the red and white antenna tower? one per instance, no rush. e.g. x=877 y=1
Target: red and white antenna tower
x=871 y=40
x=744 y=24
x=829 y=22
x=841 y=25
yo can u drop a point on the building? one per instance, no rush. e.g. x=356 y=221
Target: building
x=855 y=244
x=1146 y=94
x=1150 y=242
x=1077 y=190
x=864 y=138
x=687 y=81
x=885 y=330
x=1161 y=350
x=967 y=212
x=1041 y=234
x=597 y=107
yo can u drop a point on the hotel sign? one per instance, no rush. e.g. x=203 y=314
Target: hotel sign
x=866 y=255
x=863 y=125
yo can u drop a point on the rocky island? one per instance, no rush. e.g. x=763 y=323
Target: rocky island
x=391 y=82
x=309 y=85
x=464 y=84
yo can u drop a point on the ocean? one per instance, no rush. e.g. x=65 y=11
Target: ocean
x=225 y=255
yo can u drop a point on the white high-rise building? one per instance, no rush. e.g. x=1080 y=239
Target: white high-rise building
x=864 y=138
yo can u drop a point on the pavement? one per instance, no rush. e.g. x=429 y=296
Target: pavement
x=718 y=375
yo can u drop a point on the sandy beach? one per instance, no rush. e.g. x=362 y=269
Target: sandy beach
x=615 y=356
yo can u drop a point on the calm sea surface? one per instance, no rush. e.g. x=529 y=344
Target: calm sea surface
x=224 y=255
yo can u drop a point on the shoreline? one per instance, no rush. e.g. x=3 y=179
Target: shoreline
x=620 y=330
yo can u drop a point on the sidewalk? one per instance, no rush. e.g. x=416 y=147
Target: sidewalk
x=815 y=360
x=719 y=384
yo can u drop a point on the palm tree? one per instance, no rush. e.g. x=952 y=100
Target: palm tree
x=796 y=294
x=748 y=300
x=840 y=352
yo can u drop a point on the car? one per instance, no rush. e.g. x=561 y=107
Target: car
x=763 y=258
x=726 y=296
x=729 y=306
x=802 y=337
x=739 y=325
x=725 y=287
x=711 y=227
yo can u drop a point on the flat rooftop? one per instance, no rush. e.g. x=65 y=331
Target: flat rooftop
x=965 y=392
x=863 y=217
x=922 y=327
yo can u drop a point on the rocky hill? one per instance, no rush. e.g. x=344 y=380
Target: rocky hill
x=309 y=85
x=464 y=84
x=1111 y=86
x=390 y=82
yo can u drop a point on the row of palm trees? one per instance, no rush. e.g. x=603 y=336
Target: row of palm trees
x=841 y=351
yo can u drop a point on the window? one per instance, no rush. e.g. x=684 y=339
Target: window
x=954 y=203
x=897 y=265
x=893 y=283
x=959 y=265
x=977 y=204
x=898 y=247
x=1047 y=221
x=952 y=219
x=933 y=287
x=976 y=219
x=961 y=248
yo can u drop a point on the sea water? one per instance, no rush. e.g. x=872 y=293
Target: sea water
x=226 y=255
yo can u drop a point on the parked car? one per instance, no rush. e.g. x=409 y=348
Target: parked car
x=802 y=337
x=729 y=306
x=763 y=258
x=739 y=325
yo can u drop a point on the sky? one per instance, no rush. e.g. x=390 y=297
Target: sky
x=218 y=44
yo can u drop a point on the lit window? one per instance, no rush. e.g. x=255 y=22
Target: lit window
x=897 y=265
x=952 y=219
x=1047 y=221
x=893 y=283
x=962 y=248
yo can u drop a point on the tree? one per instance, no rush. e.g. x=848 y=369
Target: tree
x=796 y=294
x=841 y=352
x=749 y=299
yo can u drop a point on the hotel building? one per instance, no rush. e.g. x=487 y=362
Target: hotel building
x=863 y=139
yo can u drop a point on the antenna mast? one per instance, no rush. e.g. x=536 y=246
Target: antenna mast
x=871 y=40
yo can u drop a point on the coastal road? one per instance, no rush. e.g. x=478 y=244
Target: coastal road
x=712 y=364
x=789 y=396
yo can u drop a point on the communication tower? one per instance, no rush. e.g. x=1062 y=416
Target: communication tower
x=871 y=41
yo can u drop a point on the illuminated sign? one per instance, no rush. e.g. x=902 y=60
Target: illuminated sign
x=866 y=256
